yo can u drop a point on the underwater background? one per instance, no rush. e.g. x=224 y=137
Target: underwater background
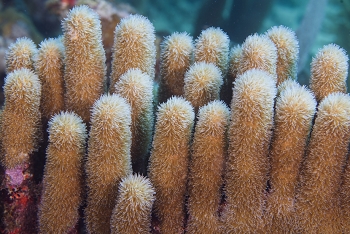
x=316 y=22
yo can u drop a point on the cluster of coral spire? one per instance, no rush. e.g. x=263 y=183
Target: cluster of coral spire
x=236 y=144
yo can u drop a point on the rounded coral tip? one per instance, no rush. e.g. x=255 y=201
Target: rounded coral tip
x=258 y=52
x=132 y=213
x=212 y=46
x=21 y=116
x=21 y=54
x=329 y=70
x=66 y=128
x=176 y=58
x=287 y=52
x=133 y=47
x=202 y=84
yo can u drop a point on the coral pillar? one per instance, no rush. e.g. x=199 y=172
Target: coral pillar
x=85 y=68
x=247 y=164
x=209 y=151
x=20 y=135
x=169 y=162
x=318 y=198
x=108 y=159
x=63 y=176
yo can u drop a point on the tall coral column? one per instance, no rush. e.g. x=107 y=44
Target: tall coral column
x=20 y=135
x=318 y=198
x=247 y=166
x=287 y=52
x=209 y=151
x=169 y=162
x=133 y=47
x=137 y=88
x=295 y=108
x=212 y=46
x=85 y=68
x=176 y=57
x=21 y=117
x=108 y=159
x=49 y=65
x=63 y=176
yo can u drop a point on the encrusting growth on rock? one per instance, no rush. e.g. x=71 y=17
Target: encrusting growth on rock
x=329 y=70
x=132 y=212
x=108 y=159
x=85 y=68
x=176 y=58
x=209 y=151
x=169 y=162
x=63 y=175
x=21 y=54
x=133 y=47
x=49 y=66
x=247 y=164
x=137 y=88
